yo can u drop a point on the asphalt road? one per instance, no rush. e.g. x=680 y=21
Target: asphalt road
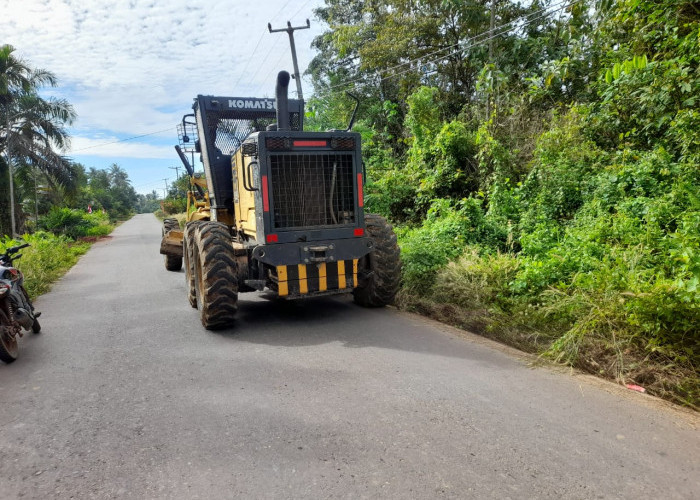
x=124 y=394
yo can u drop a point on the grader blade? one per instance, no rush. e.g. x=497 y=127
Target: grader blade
x=171 y=244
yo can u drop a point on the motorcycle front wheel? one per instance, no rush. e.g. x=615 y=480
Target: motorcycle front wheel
x=9 y=350
x=36 y=327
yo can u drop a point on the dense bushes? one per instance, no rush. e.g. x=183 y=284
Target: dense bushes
x=75 y=223
x=548 y=194
x=608 y=273
x=173 y=205
x=444 y=234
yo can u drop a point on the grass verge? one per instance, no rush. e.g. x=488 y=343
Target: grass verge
x=588 y=330
x=47 y=259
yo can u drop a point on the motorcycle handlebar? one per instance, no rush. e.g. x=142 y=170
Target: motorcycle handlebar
x=16 y=249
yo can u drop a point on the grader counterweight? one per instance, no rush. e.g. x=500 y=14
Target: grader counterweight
x=286 y=211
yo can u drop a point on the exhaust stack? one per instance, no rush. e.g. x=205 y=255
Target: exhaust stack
x=281 y=100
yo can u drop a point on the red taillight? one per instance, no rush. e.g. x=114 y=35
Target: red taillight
x=359 y=231
x=266 y=195
x=360 y=196
x=271 y=238
x=312 y=144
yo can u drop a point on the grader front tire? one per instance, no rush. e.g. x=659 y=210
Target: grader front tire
x=382 y=265
x=216 y=282
x=189 y=247
x=173 y=263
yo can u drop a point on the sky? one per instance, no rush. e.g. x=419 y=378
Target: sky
x=132 y=67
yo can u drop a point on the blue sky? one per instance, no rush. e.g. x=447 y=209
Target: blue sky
x=132 y=67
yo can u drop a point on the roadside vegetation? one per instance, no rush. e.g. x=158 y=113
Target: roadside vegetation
x=59 y=205
x=175 y=203
x=543 y=182
x=50 y=191
x=539 y=161
x=47 y=259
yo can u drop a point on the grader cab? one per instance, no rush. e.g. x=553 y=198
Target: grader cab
x=286 y=211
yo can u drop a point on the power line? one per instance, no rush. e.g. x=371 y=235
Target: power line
x=252 y=55
x=122 y=140
x=267 y=56
x=473 y=42
x=152 y=183
x=470 y=43
x=300 y=9
x=282 y=9
x=268 y=77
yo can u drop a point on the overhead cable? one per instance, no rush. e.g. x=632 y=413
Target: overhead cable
x=468 y=44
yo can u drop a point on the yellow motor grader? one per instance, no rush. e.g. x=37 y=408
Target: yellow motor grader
x=197 y=210
x=283 y=212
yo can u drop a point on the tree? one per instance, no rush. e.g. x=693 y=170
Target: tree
x=110 y=190
x=31 y=129
x=147 y=203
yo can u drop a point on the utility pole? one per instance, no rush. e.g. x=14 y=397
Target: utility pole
x=177 y=177
x=290 y=31
x=166 y=188
x=492 y=24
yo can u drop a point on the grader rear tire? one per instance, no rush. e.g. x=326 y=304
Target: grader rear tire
x=172 y=262
x=216 y=277
x=383 y=265
x=189 y=247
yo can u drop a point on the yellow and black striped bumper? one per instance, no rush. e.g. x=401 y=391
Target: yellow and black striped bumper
x=316 y=279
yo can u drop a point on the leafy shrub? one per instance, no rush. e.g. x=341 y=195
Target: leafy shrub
x=447 y=229
x=173 y=206
x=561 y=177
x=75 y=223
x=65 y=221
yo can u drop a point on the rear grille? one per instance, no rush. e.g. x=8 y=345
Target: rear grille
x=312 y=189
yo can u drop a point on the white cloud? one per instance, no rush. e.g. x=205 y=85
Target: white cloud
x=133 y=67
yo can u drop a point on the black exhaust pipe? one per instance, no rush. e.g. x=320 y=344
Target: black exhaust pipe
x=282 y=101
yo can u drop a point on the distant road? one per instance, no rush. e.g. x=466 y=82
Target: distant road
x=125 y=395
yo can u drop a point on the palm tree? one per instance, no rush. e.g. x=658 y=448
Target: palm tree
x=32 y=127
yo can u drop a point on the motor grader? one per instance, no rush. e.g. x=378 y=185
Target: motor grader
x=284 y=211
x=197 y=210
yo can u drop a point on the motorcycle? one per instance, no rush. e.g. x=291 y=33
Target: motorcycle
x=16 y=310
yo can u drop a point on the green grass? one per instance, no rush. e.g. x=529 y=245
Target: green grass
x=595 y=329
x=47 y=259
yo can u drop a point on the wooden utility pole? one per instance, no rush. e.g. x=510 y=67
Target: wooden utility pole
x=290 y=32
x=492 y=24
